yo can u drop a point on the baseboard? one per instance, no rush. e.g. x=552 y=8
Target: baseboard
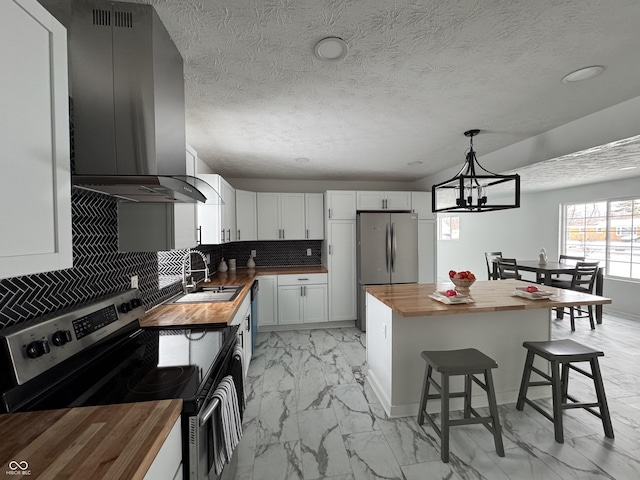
x=625 y=315
x=478 y=401
x=306 y=326
x=379 y=391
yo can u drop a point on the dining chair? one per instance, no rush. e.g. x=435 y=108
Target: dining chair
x=489 y=258
x=570 y=259
x=582 y=280
x=508 y=268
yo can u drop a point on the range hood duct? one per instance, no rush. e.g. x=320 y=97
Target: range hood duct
x=127 y=89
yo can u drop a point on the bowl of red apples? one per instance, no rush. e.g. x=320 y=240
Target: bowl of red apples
x=462 y=280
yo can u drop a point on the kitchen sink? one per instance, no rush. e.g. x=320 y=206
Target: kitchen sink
x=224 y=293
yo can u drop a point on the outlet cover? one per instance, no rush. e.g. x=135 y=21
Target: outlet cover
x=253 y=253
x=308 y=252
x=208 y=257
x=134 y=281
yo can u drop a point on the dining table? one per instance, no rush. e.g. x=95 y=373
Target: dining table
x=545 y=272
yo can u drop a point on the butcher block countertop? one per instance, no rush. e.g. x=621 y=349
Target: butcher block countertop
x=412 y=300
x=201 y=314
x=114 y=442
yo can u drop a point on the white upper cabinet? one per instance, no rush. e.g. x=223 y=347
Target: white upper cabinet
x=421 y=204
x=340 y=204
x=281 y=216
x=370 y=200
x=397 y=201
x=269 y=227
x=366 y=200
x=228 y=209
x=314 y=216
x=217 y=223
x=292 y=217
x=155 y=227
x=186 y=214
x=34 y=134
x=246 y=216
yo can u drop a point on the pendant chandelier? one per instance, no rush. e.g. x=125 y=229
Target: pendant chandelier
x=476 y=189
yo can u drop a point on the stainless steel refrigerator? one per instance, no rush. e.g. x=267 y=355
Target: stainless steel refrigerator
x=387 y=252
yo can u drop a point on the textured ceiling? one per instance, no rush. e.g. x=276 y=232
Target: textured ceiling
x=417 y=75
x=596 y=164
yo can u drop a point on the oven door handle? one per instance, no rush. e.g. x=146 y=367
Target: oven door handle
x=204 y=418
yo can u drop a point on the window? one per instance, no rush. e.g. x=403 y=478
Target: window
x=449 y=228
x=608 y=232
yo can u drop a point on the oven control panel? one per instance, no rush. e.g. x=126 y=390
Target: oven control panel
x=42 y=343
x=94 y=321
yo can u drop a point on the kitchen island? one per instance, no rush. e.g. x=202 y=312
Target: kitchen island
x=402 y=321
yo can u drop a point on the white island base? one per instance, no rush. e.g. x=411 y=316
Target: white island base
x=396 y=369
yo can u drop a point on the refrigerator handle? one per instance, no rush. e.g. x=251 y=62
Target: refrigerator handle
x=394 y=245
x=388 y=247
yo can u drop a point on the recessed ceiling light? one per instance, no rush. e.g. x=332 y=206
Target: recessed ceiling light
x=413 y=164
x=331 y=48
x=302 y=160
x=627 y=168
x=583 y=74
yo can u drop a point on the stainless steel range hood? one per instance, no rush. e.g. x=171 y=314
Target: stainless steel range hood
x=149 y=188
x=127 y=89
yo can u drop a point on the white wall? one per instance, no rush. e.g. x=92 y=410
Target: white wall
x=520 y=233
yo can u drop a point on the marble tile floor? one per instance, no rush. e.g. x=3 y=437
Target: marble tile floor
x=312 y=415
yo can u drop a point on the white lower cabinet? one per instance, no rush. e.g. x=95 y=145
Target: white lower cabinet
x=243 y=320
x=290 y=304
x=168 y=462
x=302 y=304
x=314 y=303
x=268 y=300
x=293 y=299
x=302 y=299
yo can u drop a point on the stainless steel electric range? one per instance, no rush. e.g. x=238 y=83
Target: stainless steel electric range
x=97 y=354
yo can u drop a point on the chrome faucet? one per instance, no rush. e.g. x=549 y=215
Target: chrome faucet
x=185 y=284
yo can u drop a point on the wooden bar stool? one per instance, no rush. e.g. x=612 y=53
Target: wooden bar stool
x=467 y=362
x=564 y=353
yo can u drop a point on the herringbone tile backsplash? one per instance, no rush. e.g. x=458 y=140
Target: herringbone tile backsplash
x=98 y=268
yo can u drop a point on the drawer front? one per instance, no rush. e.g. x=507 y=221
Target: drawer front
x=302 y=279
